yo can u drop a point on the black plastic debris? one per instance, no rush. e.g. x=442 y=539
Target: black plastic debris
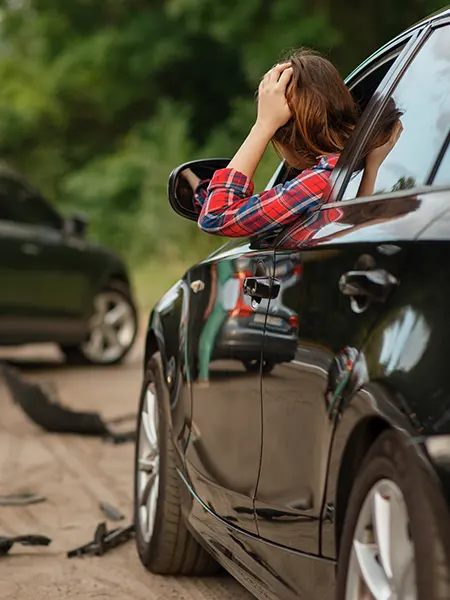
x=6 y=543
x=20 y=499
x=103 y=541
x=52 y=416
x=111 y=512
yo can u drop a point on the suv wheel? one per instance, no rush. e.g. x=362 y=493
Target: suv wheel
x=113 y=328
x=391 y=544
x=163 y=542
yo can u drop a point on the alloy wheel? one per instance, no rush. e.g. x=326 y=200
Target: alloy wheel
x=382 y=562
x=148 y=464
x=112 y=328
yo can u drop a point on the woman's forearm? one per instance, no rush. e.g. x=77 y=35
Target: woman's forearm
x=367 y=185
x=248 y=156
x=191 y=178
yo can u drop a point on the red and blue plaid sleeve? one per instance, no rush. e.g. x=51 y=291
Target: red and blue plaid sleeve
x=231 y=209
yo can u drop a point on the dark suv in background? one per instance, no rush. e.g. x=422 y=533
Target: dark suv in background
x=55 y=285
x=329 y=477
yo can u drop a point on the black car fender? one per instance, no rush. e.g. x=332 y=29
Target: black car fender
x=166 y=334
x=364 y=413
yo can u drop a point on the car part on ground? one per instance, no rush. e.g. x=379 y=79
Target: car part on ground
x=22 y=499
x=391 y=528
x=111 y=512
x=6 y=543
x=164 y=543
x=113 y=328
x=103 y=541
x=49 y=413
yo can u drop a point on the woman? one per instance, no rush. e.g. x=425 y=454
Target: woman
x=308 y=113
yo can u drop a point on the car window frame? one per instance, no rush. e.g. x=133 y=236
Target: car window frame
x=440 y=157
x=424 y=37
x=352 y=153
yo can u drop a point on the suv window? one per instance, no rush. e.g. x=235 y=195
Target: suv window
x=423 y=96
x=20 y=204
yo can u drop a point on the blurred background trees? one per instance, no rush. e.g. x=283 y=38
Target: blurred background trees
x=100 y=100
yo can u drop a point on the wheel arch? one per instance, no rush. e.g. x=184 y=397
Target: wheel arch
x=119 y=275
x=364 y=414
x=151 y=346
x=361 y=439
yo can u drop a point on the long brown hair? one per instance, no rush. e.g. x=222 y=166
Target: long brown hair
x=324 y=112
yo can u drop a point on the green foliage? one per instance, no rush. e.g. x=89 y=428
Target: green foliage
x=100 y=100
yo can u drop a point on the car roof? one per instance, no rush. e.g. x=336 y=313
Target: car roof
x=398 y=39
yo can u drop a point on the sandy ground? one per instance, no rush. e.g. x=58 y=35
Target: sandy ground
x=75 y=474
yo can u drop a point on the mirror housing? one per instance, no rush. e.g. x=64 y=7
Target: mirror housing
x=77 y=225
x=181 y=194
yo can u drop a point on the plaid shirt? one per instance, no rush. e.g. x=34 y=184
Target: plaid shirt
x=229 y=207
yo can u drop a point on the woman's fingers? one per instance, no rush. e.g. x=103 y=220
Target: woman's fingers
x=274 y=74
x=285 y=77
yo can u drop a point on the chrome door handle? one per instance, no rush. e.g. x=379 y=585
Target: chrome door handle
x=364 y=287
x=30 y=249
x=197 y=286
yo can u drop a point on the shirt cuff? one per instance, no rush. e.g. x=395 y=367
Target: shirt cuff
x=231 y=179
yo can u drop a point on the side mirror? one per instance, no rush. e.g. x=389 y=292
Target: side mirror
x=181 y=194
x=76 y=225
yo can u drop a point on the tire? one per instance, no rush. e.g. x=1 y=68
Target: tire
x=393 y=469
x=170 y=548
x=253 y=366
x=80 y=354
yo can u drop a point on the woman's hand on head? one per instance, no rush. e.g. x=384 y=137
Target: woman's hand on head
x=273 y=109
x=377 y=156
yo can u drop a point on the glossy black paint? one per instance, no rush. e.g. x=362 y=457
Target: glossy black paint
x=268 y=456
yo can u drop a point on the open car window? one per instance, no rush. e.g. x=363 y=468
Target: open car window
x=362 y=86
x=363 y=83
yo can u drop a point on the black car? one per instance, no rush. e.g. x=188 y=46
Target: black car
x=329 y=477
x=55 y=285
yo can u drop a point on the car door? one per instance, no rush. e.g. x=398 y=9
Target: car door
x=224 y=346
x=45 y=273
x=352 y=254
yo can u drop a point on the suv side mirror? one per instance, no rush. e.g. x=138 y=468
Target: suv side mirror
x=77 y=225
x=181 y=194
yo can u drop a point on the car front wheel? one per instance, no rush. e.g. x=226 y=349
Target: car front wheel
x=391 y=544
x=112 y=328
x=163 y=541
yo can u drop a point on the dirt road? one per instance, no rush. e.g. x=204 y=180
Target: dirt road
x=75 y=474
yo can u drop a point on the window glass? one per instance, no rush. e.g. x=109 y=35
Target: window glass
x=422 y=100
x=22 y=205
x=443 y=174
